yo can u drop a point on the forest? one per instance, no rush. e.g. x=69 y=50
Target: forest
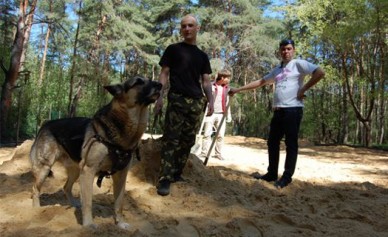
x=56 y=56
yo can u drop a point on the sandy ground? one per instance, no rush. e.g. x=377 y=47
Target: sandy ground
x=337 y=191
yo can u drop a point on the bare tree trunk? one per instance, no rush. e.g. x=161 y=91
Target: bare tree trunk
x=18 y=52
x=46 y=42
x=71 y=106
x=382 y=94
x=364 y=111
x=344 y=133
x=93 y=57
x=74 y=103
x=382 y=131
x=93 y=53
x=345 y=117
x=40 y=81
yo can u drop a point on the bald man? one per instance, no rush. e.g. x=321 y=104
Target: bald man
x=187 y=69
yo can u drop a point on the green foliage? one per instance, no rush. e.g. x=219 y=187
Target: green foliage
x=120 y=39
x=347 y=35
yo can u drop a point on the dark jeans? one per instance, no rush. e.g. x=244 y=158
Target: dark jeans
x=285 y=122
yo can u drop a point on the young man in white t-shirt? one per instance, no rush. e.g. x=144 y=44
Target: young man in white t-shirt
x=289 y=93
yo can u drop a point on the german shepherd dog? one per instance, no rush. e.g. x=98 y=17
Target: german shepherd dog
x=98 y=146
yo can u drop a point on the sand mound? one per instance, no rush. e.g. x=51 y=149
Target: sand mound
x=337 y=191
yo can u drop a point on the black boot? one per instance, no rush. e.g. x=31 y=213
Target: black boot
x=163 y=187
x=283 y=182
x=267 y=177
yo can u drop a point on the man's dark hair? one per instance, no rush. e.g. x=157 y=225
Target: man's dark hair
x=286 y=42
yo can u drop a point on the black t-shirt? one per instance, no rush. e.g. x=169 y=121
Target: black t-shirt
x=187 y=63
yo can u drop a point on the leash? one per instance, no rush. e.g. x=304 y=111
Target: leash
x=157 y=120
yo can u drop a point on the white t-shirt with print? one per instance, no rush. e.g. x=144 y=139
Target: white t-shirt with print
x=288 y=79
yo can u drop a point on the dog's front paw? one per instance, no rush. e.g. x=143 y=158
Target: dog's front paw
x=124 y=225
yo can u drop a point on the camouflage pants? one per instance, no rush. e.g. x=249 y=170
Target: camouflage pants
x=182 y=121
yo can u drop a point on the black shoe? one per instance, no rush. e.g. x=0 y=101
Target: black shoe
x=267 y=177
x=283 y=182
x=163 y=188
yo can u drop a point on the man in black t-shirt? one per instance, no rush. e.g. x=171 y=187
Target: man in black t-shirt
x=186 y=67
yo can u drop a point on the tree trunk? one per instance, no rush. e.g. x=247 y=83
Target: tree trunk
x=42 y=66
x=74 y=102
x=72 y=106
x=17 y=58
x=46 y=42
x=366 y=138
x=345 y=117
x=365 y=107
x=382 y=94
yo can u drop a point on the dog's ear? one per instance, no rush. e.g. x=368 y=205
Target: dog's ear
x=124 y=87
x=114 y=89
x=137 y=80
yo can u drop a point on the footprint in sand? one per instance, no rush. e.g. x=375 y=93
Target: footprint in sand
x=280 y=218
x=246 y=227
x=186 y=230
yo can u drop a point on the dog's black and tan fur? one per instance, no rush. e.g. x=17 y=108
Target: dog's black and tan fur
x=96 y=147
